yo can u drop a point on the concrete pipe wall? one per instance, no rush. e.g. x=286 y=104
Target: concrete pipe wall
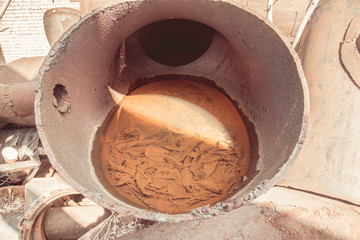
x=247 y=59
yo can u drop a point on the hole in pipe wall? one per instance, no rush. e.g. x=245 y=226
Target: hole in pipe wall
x=358 y=43
x=175 y=42
x=61 y=99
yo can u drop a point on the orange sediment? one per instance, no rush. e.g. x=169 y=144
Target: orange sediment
x=175 y=145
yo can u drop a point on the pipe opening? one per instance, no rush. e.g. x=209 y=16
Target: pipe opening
x=249 y=80
x=175 y=42
x=358 y=43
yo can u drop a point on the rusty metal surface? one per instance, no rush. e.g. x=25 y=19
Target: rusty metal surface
x=39 y=194
x=57 y=21
x=287 y=15
x=75 y=221
x=329 y=162
x=18 y=91
x=279 y=116
x=279 y=214
x=43 y=212
x=38 y=186
x=17 y=100
x=21 y=70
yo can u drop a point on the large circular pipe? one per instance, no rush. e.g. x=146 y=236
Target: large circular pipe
x=252 y=63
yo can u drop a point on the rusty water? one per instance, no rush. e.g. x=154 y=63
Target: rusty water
x=174 y=145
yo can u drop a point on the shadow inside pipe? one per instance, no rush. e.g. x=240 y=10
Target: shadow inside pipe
x=175 y=42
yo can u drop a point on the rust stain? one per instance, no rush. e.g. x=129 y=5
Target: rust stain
x=163 y=163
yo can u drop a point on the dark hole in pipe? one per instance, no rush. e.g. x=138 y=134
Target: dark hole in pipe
x=61 y=99
x=358 y=43
x=175 y=42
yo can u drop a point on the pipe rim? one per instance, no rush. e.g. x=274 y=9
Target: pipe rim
x=231 y=203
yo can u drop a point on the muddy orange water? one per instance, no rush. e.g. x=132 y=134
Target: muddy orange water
x=175 y=145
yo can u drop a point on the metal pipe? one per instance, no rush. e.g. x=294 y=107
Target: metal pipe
x=75 y=221
x=17 y=90
x=305 y=20
x=17 y=100
x=268 y=86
